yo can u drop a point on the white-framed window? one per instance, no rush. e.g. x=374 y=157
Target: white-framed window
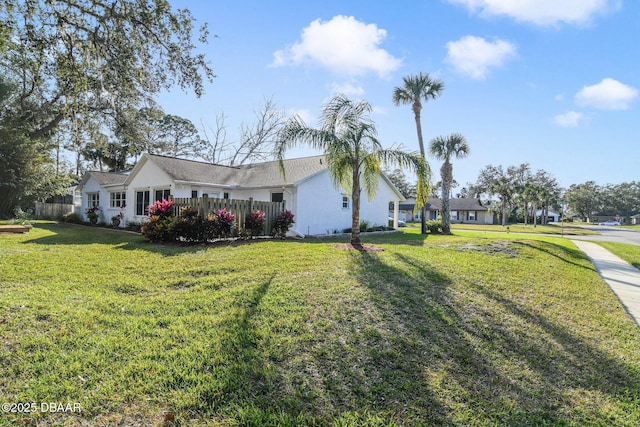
x=345 y=201
x=194 y=194
x=142 y=202
x=454 y=215
x=472 y=215
x=93 y=199
x=162 y=194
x=277 y=197
x=117 y=199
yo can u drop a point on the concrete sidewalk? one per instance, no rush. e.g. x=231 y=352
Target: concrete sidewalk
x=622 y=277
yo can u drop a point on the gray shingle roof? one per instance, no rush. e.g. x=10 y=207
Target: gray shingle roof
x=458 y=204
x=108 y=178
x=255 y=175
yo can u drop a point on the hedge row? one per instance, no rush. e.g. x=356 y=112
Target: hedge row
x=190 y=226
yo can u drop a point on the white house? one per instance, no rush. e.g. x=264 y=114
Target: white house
x=306 y=190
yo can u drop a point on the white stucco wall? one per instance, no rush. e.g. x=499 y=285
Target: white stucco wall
x=148 y=178
x=318 y=206
x=92 y=186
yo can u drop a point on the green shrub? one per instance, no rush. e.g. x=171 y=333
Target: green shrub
x=72 y=218
x=282 y=224
x=21 y=217
x=254 y=223
x=134 y=226
x=221 y=223
x=434 y=226
x=158 y=229
x=364 y=225
x=189 y=226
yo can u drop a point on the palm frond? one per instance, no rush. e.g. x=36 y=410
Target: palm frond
x=370 y=172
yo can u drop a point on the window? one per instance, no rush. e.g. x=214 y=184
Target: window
x=225 y=195
x=194 y=194
x=277 y=197
x=162 y=194
x=454 y=215
x=142 y=202
x=117 y=199
x=93 y=199
x=345 y=202
x=472 y=215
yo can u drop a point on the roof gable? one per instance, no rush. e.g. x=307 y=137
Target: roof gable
x=104 y=178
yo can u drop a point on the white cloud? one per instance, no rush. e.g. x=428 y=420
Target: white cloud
x=609 y=94
x=348 y=89
x=542 y=12
x=570 y=119
x=304 y=114
x=475 y=56
x=343 y=45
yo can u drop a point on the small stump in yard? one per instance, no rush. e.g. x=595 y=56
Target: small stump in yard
x=14 y=228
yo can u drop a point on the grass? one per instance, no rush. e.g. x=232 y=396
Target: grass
x=568 y=228
x=445 y=330
x=628 y=252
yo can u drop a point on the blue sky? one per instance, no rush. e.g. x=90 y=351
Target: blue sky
x=552 y=83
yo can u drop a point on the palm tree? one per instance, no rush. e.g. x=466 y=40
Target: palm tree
x=353 y=152
x=443 y=148
x=415 y=90
x=503 y=187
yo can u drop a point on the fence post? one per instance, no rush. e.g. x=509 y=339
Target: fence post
x=204 y=206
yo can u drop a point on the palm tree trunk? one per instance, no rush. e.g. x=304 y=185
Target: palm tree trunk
x=447 y=176
x=355 y=209
x=416 y=113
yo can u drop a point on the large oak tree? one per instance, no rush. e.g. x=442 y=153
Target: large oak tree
x=73 y=61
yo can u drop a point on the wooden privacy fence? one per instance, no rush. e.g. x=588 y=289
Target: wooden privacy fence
x=52 y=210
x=239 y=208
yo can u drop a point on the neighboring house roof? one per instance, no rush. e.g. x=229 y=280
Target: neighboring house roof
x=458 y=204
x=104 y=178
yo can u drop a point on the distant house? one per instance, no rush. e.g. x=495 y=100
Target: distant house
x=551 y=216
x=467 y=210
x=306 y=189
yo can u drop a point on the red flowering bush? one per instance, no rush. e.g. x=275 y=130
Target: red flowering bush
x=159 y=227
x=282 y=224
x=222 y=223
x=255 y=222
x=162 y=208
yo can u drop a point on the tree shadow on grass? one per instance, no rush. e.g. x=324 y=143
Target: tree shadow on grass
x=73 y=234
x=569 y=255
x=483 y=355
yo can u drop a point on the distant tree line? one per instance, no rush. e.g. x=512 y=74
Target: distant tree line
x=517 y=194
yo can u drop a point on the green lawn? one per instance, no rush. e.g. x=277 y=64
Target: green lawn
x=567 y=229
x=629 y=253
x=444 y=330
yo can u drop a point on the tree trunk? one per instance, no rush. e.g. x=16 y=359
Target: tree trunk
x=355 y=209
x=446 y=174
x=416 y=112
